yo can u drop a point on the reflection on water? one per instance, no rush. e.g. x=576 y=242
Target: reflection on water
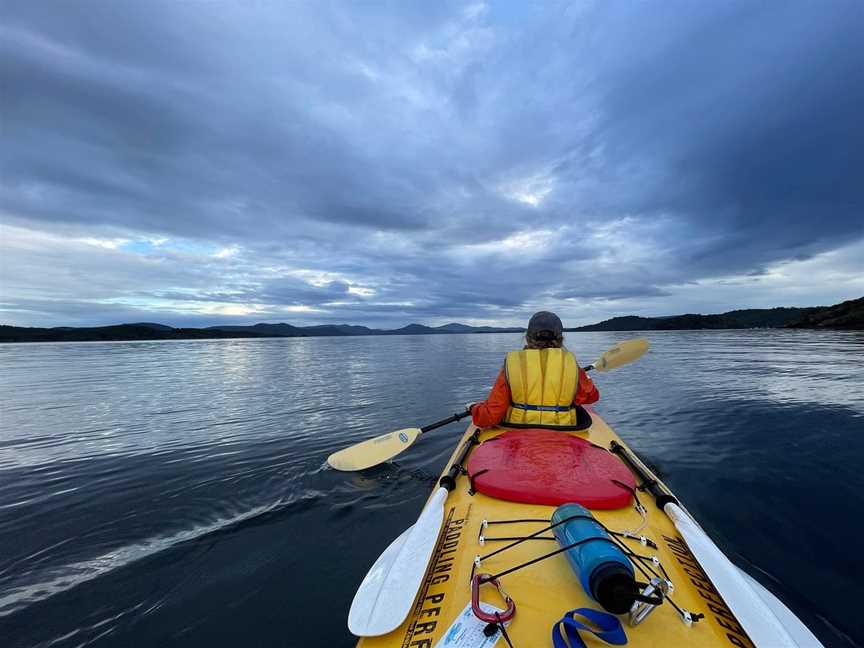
x=175 y=493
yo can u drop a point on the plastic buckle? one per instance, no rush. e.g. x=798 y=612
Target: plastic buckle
x=499 y=617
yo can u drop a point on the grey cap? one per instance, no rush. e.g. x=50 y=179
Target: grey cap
x=544 y=321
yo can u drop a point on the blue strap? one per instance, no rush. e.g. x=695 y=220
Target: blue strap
x=610 y=629
x=542 y=408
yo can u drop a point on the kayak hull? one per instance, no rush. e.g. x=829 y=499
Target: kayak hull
x=545 y=591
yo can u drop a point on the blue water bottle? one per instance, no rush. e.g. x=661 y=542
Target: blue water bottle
x=605 y=572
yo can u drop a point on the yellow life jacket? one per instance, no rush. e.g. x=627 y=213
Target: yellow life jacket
x=543 y=383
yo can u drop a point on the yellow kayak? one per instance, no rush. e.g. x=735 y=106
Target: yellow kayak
x=691 y=610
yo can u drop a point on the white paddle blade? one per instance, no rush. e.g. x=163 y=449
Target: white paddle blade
x=754 y=614
x=385 y=596
x=621 y=354
x=373 y=451
x=799 y=632
x=359 y=613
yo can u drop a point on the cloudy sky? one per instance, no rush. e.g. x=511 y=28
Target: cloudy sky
x=391 y=162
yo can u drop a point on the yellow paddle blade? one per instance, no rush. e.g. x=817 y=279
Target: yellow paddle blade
x=373 y=451
x=621 y=354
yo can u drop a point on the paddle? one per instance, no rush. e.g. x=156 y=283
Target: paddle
x=619 y=354
x=383 y=448
x=386 y=595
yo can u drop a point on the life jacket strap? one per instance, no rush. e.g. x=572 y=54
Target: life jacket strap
x=541 y=408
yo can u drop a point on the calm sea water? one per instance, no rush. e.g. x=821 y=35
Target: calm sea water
x=176 y=493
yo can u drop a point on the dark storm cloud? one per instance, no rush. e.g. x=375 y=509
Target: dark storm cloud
x=754 y=117
x=437 y=160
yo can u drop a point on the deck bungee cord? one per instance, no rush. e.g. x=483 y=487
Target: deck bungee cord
x=659 y=583
x=641 y=510
x=604 y=625
x=483 y=538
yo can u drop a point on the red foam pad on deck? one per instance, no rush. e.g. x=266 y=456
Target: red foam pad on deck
x=548 y=467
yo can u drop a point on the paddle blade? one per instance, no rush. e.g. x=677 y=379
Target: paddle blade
x=360 y=612
x=752 y=611
x=386 y=595
x=621 y=354
x=373 y=451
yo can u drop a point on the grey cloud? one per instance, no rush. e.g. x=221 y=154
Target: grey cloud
x=610 y=293
x=752 y=119
x=378 y=141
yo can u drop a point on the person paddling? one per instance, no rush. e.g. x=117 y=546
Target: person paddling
x=540 y=386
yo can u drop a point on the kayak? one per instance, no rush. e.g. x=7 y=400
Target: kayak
x=499 y=543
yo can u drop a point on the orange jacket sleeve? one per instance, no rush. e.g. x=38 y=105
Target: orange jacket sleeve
x=587 y=392
x=491 y=411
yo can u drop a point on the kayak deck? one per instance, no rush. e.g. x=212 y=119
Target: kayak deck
x=545 y=590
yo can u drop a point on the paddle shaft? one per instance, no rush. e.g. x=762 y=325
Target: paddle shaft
x=448 y=481
x=661 y=497
x=446 y=421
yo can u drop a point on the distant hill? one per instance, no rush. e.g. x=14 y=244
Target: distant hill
x=624 y=323
x=158 y=327
x=339 y=329
x=112 y=333
x=464 y=328
x=153 y=331
x=323 y=330
x=262 y=330
x=847 y=315
x=455 y=327
x=414 y=329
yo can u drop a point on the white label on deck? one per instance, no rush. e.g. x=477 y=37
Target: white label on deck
x=467 y=630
